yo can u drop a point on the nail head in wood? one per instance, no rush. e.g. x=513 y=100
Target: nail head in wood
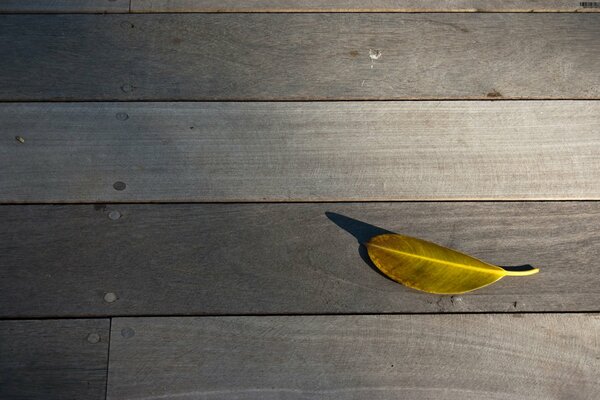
x=127 y=88
x=110 y=297
x=122 y=116
x=93 y=338
x=127 y=333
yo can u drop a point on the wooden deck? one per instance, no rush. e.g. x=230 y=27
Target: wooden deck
x=185 y=184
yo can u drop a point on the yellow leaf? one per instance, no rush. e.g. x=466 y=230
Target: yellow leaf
x=432 y=268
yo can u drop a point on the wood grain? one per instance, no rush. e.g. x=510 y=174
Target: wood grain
x=64 y=6
x=356 y=357
x=358 y=6
x=53 y=359
x=214 y=152
x=149 y=6
x=299 y=56
x=219 y=259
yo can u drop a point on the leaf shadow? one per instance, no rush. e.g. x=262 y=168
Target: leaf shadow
x=525 y=267
x=362 y=232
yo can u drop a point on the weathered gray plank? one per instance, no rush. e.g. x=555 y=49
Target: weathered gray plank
x=53 y=359
x=299 y=56
x=64 y=6
x=149 y=6
x=299 y=151
x=162 y=259
x=360 y=5
x=357 y=357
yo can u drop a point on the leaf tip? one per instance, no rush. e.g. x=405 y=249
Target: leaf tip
x=522 y=270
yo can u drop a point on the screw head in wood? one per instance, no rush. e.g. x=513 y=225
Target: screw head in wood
x=127 y=88
x=110 y=297
x=122 y=116
x=93 y=338
x=127 y=333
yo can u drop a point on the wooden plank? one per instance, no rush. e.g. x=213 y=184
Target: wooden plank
x=150 y=6
x=64 y=6
x=54 y=359
x=299 y=56
x=216 y=259
x=356 y=357
x=214 y=152
x=362 y=6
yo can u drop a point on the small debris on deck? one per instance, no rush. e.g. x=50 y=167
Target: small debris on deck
x=375 y=54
